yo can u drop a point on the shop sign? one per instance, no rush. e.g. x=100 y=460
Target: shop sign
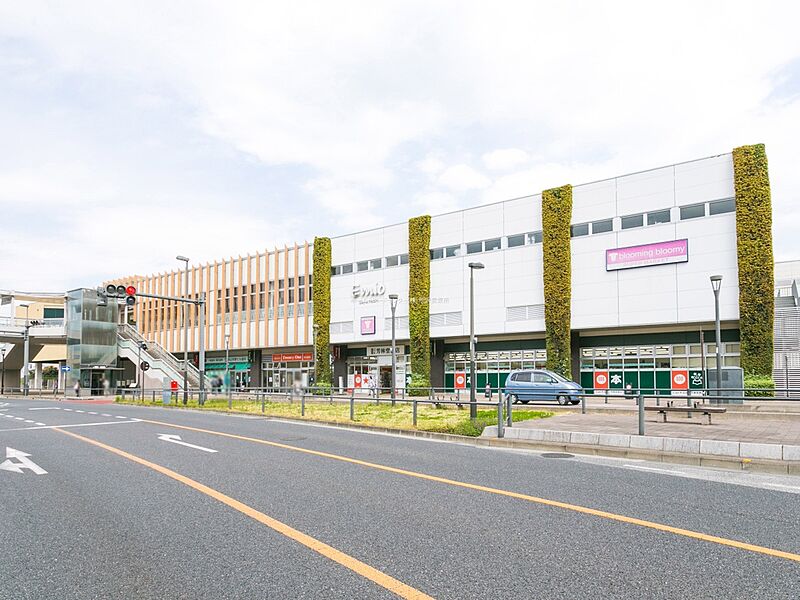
x=231 y=359
x=460 y=380
x=384 y=350
x=601 y=380
x=647 y=255
x=368 y=325
x=680 y=379
x=292 y=356
x=615 y=383
x=357 y=381
x=367 y=291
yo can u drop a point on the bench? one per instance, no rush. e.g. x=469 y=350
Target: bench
x=706 y=411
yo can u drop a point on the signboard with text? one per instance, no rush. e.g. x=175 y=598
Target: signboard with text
x=292 y=356
x=601 y=380
x=647 y=255
x=460 y=380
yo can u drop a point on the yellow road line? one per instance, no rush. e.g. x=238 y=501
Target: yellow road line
x=482 y=488
x=347 y=561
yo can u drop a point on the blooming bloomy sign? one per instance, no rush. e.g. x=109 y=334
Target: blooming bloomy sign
x=647 y=255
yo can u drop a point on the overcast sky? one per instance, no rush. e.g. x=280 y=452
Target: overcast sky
x=134 y=131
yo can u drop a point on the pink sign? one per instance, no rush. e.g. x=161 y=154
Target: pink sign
x=647 y=255
x=367 y=325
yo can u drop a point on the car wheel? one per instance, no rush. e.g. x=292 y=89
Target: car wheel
x=513 y=398
x=562 y=400
x=575 y=402
x=524 y=401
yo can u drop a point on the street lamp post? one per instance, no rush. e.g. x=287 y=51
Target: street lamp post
x=315 y=330
x=716 y=284
x=227 y=369
x=3 y=376
x=473 y=407
x=26 y=350
x=393 y=302
x=185 y=308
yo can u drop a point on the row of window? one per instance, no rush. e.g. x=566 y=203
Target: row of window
x=656 y=217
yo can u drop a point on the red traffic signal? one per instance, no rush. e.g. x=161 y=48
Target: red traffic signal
x=130 y=290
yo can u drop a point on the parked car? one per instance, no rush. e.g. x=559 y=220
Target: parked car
x=541 y=384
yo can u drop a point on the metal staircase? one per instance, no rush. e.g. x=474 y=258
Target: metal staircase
x=160 y=359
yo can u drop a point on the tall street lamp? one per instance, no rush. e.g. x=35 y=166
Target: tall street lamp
x=473 y=407
x=227 y=369
x=716 y=284
x=315 y=330
x=3 y=376
x=26 y=348
x=393 y=302
x=185 y=308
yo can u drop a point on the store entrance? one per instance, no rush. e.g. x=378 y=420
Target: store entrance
x=385 y=381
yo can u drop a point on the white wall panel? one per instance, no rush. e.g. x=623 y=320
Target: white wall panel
x=703 y=180
x=650 y=190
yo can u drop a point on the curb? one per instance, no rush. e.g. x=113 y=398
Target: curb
x=751 y=456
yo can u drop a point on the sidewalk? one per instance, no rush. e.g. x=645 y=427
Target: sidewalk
x=760 y=430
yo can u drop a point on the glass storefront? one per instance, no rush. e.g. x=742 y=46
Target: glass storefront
x=491 y=366
x=652 y=368
x=377 y=366
x=286 y=374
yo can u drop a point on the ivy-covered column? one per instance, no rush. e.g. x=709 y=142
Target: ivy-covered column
x=322 y=309
x=556 y=258
x=419 y=291
x=756 y=266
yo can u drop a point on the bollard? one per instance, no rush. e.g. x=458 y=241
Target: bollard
x=500 y=432
x=414 y=410
x=583 y=404
x=263 y=399
x=641 y=414
x=509 y=415
x=303 y=404
x=352 y=405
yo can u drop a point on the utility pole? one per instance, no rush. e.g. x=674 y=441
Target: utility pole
x=185 y=330
x=473 y=406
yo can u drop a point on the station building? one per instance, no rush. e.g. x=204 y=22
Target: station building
x=641 y=246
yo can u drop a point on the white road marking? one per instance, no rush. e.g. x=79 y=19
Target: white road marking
x=92 y=412
x=105 y=415
x=68 y=409
x=39 y=424
x=80 y=411
x=655 y=470
x=28 y=420
x=23 y=462
x=176 y=439
x=118 y=417
x=47 y=408
x=72 y=425
x=19 y=418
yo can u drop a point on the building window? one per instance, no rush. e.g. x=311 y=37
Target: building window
x=493 y=244
x=659 y=216
x=392 y=261
x=721 y=206
x=602 y=226
x=632 y=221
x=348 y=268
x=437 y=253
x=376 y=263
x=362 y=265
x=535 y=237
x=693 y=211
x=515 y=240
x=449 y=252
x=404 y=259
x=474 y=247
x=579 y=230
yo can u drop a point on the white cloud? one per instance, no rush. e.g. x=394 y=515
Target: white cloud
x=462 y=178
x=286 y=120
x=505 y=158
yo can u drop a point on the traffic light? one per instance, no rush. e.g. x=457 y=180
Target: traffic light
x=120 y=291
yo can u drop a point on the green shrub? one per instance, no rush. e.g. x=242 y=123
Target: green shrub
x=419 y=291
x=419 y=386
x=556 y=258
x=755 y=259
x=759 y=385
x=322 y=308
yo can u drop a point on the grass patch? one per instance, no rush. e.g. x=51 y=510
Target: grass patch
x=444 y=419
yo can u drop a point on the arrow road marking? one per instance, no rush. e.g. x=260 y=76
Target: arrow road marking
x=23 y=462
x=176 y=439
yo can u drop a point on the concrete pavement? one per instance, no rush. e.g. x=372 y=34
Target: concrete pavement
x=446 y=520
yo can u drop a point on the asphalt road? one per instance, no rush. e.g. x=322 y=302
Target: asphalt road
x=285 y=510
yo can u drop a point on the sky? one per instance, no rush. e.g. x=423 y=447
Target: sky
x=132 y=132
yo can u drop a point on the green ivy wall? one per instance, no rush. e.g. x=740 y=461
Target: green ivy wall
x=556 y=259
x=755 y=258
x=322 y=308
x=419 y=291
